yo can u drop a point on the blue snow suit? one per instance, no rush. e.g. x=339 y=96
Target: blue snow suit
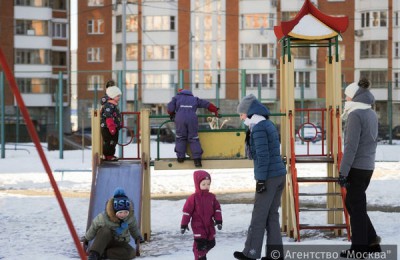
x=184 y=105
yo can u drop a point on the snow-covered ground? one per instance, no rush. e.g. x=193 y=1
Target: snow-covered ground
x=32 y=225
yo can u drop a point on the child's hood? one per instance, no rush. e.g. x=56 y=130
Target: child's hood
x=185 y=92
x=198 y=176
x=111 y=212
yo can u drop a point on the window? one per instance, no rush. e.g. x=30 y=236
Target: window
x=302 y=79
x=95 y=2
x=95 y=55
x=257 y=21
x=95 y=81
x=31 y=27
x=37 y=3
x=30 y=56
x=374 y=19
x=159 y=23
x=59 y=58
x=396 y=18
x=301 y=53
x=260 y=79
x=95 y=26
x=131 y=23
x=373 y=49
x=378 y=78
x=396 y=79
x=256 y=51
x=59 y=4
x=33 y=85
x=131 y=52
x=156 y=81
x=159 y=52
x=60 y=30
x=397 y=49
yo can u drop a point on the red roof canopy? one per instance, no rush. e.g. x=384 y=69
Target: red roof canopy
x=338 y=24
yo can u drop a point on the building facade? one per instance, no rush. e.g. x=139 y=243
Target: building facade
x=35 y=40
x=222 y=50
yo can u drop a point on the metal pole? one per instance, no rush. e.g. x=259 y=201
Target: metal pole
x=190 y=59
x=217 y=89
x=243 y=83
x=124 y=99
x=60 y=115
x=390 y=111
x=95 y=96
x=2 y=99
x=181 y=79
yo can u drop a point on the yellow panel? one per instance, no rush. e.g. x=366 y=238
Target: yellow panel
x=222 y=145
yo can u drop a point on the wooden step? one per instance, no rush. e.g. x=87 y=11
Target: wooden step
x=317 y=179
x=314 y=159
x=320 y=209
x=327 y=226
x=321 y=194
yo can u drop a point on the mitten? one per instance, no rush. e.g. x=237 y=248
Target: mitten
x=260 y=186
x=218 y=223
x=184 y=228
x=85 y=243
x=342 y=180
x=212 y=108
x=111 y=126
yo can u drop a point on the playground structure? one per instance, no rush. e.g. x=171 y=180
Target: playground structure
x=312 y=28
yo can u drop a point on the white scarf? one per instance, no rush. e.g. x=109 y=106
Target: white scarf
x=350 y=106
x=255 y=119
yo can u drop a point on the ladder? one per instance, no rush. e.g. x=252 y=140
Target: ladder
x=335 y=197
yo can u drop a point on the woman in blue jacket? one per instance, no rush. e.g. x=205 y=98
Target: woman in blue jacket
x=269 y=173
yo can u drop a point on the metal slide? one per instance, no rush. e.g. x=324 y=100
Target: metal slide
x=110 y=175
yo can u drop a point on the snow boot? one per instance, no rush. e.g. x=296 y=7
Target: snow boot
x=241 y=256
x=351 y=253
x=374 y=246
x=93 y=255
x=197 y=163
x=180 y=160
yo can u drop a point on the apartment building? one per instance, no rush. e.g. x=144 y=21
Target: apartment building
x=35 y=40
x=215 y=47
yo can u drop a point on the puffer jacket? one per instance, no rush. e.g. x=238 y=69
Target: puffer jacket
x=109 y=110
x=122 y=229
x=265 y=145
x=201 y=209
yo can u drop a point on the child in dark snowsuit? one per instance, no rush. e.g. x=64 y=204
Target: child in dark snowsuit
x=182 y=108
x=110 y=122
x=112 y=229
x=203 y=210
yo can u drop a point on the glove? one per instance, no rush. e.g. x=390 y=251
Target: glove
x=342 y=180
x=184 y=228
x=172 y=116
x=260 y=186
x=218 y=223
x=85 y=243
x=111 y=126
x=213 y=108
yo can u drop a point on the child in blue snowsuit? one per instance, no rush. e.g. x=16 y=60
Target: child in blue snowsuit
x=182 y=108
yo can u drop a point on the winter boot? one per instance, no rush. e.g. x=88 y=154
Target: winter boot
x=203 y=258
x=93 y=255
x=241 y=256
x=197 y=163
x=351 y=253
x=180 y=160
x=374 y=246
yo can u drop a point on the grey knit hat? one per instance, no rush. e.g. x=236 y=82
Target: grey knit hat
x=245 y=104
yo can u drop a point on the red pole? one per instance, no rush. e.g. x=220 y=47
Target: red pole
x=36 y=141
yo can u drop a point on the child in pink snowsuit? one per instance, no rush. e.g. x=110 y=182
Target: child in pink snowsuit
x=203 y=210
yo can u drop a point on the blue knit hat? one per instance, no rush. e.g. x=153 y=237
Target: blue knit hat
x=121 y=201
x=245 y=104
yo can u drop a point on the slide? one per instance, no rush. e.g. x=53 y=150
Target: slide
x=110 y=175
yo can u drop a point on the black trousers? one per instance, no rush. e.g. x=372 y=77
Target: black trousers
x=109 y=142
x=363 y=232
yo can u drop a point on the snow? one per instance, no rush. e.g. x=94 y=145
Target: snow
x=32 y=225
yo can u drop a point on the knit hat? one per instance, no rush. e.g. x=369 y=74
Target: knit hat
x=121 y=201
x=351 y=89
x=113 y=91
x=245 y=104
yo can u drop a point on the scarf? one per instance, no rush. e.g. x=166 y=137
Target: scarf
x=255 y=119
x=350 y=106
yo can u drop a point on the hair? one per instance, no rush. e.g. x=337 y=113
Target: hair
x=110 y=83
x=364 y=83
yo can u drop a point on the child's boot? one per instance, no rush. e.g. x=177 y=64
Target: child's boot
x=93 y=255
x=197 y=163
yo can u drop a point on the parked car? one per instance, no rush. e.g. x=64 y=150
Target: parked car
x=310 y=132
